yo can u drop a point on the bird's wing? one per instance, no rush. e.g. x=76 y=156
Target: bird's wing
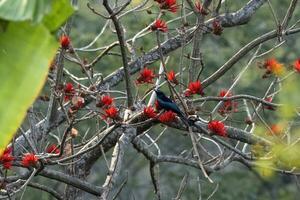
x=166 y=99
x=172 y=106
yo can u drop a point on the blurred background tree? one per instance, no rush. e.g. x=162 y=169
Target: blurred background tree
x=235 y=181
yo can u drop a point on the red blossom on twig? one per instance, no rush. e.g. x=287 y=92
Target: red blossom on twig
x=228 y=105
x=217 y=127
x=159 y=25
x=77 y=102
x=272 y=66
x=297 y=65
x=269 y=99
x=167 y=117
x=217 y=27
x=169 y=5
x=29 y=160
x=149 y=112
x=276 y=129
x=172 y=77
x=69 y=91
x=105 y=101
x=200 y=8
x=111 y=113
x=6 y=159
x=53 y=149
x=64 y=41
x=146 y=76
x=194 y=88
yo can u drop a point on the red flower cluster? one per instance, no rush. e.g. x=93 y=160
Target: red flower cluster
x=53 y=149
x=269 y=99
x=146 y=76
x=217 y=27
x=6 y=159
x=167 y=117
x=77 y=102
x=297 y=65
x=69 y=91
x=200 y=8
x=105 y=101
x=64 y=41
x=229 y=105
x=272 y=66
x=169 y=5
x=159 y=25
x=29 y=160
x=172 y=77
x=276 y=129
x=217 y=127
x=111 y=113
x=70 y=94
x=149 y=112
x=194 y=88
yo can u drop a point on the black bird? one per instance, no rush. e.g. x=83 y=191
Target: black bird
x=166 y=103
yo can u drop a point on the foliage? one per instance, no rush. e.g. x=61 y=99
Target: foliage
x=234 y=181
x=27 y=49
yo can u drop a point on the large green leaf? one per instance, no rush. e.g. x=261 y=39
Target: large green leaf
x=25 y=53
x=53 y=12
x=21 y=10
x=60 y=10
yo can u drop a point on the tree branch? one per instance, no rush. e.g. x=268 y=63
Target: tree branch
x=120 y=34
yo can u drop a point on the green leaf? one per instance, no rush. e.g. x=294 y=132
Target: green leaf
x=52 y=12
x=60 y=11
x=21 y=10
x=25 y=54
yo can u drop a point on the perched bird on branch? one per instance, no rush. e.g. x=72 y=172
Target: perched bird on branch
x=167 y=104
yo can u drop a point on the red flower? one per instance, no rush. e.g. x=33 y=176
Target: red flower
x=149 y=112
x=172 y=77
x=159 y=25
x=276 y=130
x=217 y=127
x=225 y=93
x=7 y=150
x=105 y=101
x=228 y=105
x=53 y=149
x=29 y=159
x=169 y=5
x=77 y=102
x=272 y=66
x=269 y=99
x=69 y=88
x=297 y=65
x=270 y=62
x=111 y=113
x=194 y=88
x=168 y=116
x=64 y=41
x=69 y=91
x=200 y=8
x=6 y=159
x=217 y=28
x=146 y=76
